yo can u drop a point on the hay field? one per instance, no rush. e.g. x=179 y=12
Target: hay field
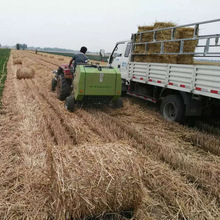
x=100 y=162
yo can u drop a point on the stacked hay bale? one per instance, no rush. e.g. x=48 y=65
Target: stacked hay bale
x=25 y=73
x=147 y=37
x=189 y=46
x=169 y=47
x=93 y=180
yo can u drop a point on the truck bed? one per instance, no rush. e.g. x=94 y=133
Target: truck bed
x=197 y=79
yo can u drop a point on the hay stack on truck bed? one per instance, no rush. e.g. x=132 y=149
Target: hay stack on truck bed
x=159 y=67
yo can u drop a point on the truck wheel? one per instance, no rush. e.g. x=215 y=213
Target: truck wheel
x=63 y=88
x=70 y=103
x=53 y=84
x=172 y=108
x=118 y=103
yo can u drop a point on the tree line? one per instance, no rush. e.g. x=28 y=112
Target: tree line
x=21 y=46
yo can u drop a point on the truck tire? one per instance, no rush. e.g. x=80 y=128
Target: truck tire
x=118 y=103
x=63 y=88
x=173 y=109
x=53 y=84
x=70 y=103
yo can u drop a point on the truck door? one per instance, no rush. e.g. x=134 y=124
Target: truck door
x=120 y=57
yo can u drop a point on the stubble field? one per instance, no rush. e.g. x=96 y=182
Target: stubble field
x=179 y=168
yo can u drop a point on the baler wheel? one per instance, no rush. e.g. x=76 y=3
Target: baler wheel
x=70 y=103
x=53 y=84
x=118 y=103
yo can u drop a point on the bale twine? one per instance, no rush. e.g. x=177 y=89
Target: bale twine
x=25 y=73
x=93 y=180
x=17 y=61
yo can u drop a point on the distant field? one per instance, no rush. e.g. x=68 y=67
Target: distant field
x=91 y=57
x=207 y=63
x=4 y=55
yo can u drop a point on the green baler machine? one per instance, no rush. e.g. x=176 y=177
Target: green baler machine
x=95 y=84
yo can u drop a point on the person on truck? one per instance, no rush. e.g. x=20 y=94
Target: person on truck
x=79 y=58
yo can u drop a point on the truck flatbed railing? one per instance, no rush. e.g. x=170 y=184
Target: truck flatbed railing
x=211 y=41
x=195 y=79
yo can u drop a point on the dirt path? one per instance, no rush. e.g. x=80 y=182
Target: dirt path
x=184 y=163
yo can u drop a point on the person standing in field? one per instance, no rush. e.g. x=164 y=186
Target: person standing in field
x=79 y=58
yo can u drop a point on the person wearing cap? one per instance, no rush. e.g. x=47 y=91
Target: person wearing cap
x=79 y=58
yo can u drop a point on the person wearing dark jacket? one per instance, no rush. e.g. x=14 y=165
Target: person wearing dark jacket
x=79 y=58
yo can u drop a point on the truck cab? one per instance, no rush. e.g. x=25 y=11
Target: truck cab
x=120 y=57
x=182 y=89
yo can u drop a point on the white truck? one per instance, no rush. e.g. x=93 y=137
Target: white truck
x=182 y=90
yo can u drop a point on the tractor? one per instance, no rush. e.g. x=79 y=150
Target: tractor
x=89 y=83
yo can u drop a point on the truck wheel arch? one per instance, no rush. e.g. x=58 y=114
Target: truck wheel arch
x=192 y=107
x=172 y=108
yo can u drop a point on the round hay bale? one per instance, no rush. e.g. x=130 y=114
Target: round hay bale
x=60 y=58
x=25 y=73
x=51 y=56
x=17 y=61
x=93 y=180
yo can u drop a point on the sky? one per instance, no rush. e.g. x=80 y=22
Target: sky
x=96 y=24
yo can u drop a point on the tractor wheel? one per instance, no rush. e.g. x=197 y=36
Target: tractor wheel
x=118 y=103
x=173 y=109
x=70 y=103
x=53 y=84
x=63 y=88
